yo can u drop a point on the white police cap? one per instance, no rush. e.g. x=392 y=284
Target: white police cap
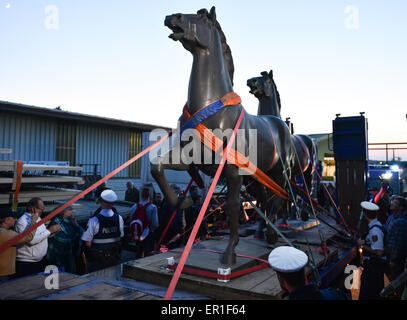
x=287 y=259
x=370 y=206
x=108 y=196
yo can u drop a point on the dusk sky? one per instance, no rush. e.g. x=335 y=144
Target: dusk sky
x=114 y=58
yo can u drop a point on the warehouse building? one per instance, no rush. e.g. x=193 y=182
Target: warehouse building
x=99 y=145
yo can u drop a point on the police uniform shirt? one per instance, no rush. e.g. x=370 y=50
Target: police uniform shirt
x=375 y=236
x=93 y=225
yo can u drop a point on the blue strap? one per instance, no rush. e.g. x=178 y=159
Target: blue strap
x=202 y=115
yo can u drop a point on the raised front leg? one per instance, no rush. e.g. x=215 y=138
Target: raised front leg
x=234 y=184
x=157 y=171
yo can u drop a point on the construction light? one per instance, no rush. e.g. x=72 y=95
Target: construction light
x=387 y=175
x=394 y=167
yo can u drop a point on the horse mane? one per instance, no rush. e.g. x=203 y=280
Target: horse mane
x=278 y=95
x=227 y=53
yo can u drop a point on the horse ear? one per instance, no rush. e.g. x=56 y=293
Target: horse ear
x=271 y=74
x=202 y=12
x=264 y=74
x=212 y=14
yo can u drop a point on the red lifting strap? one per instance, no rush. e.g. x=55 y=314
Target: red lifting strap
x=214 y=275
x=82 y=194
x=172 y=218
x=198 y=221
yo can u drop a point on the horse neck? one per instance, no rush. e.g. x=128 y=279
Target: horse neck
x=209 y=78
x=269 y=106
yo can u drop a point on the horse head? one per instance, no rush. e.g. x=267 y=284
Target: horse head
x=192 y=29
x=262 y=87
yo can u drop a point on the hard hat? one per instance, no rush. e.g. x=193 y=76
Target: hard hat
x=109 y=196
x=370 y=206
x=287 y=259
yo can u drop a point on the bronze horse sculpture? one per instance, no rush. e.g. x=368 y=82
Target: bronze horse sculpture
x=304 y=149
x=209 y=82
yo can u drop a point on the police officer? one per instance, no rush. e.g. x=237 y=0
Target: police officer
x=103 y=234
x=289 y=264
x=374 y=262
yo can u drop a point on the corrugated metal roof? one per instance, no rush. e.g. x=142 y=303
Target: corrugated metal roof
x=61 y=114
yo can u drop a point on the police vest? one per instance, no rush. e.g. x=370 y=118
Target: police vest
x=108 y=236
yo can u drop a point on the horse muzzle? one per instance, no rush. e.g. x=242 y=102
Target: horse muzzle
x=173 y=22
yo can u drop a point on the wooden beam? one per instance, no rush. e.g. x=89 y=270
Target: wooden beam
x=45 y=180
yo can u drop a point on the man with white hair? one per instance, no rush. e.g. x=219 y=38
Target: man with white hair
x=132 y=193
x=103 y=234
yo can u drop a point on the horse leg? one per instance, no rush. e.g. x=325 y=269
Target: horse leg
x=267 y=208
x=157 y=171
x=309 y=179
x=234 y=183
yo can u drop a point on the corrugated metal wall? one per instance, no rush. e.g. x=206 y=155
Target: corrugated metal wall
x=31 y=138
x=104 y=145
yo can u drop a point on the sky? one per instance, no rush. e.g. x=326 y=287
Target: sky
x=114 y=58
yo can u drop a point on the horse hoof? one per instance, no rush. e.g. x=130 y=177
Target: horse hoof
x=228 y=259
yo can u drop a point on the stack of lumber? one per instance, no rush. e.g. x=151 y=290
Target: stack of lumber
x=37 y=180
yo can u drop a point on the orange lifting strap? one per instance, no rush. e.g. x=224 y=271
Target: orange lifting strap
x=235 y=157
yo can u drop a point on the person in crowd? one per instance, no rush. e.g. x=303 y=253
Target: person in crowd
x=8 y=220
x=289 y=264
x=102 y=187
x=177 y=226
x=98 y=199
x=31 y=257
x=103 y=234
x=150 y=186
x=193 y=192
x=64 y=249
x=191 y=215
x=374 y=262
x=146 y=245
x=396 y=237
x=132 y=193
x=158 y=200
